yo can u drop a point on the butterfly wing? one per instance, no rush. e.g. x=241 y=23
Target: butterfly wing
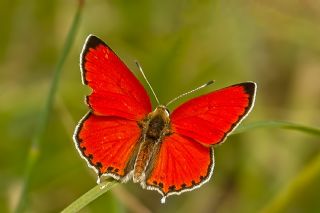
x=108 y=144
x=185 y=160
x=108 y=135
x=208 y=119
x=181 y=165
x=115 y=90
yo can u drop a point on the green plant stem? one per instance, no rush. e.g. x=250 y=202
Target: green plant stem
x=294 y=187
x=308 y=174
x=278 y=124
x=303 y=179
x=89 y=196
x=34 y=151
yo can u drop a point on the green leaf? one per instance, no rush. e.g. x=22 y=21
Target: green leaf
x=294 y=187
x=278 y=124
x=302 y=179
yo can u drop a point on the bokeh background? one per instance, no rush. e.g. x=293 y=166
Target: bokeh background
x=180 y=45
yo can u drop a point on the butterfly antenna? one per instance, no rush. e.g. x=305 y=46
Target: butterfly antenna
x=145 y=78
x=187 y=93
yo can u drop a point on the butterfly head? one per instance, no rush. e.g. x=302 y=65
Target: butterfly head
x=162 y=109
x=160 y=113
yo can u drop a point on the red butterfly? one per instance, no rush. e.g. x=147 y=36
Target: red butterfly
x=121 y=137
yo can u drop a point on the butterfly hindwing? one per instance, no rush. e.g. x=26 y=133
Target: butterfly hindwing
x=208 y=119
x=116 y=91
x=180 y=165
x=108 y=144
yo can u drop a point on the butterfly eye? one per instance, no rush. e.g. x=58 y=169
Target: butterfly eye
x=163 y=109
x=167 y=111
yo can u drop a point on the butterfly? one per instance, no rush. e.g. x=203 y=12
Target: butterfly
x=123 y=138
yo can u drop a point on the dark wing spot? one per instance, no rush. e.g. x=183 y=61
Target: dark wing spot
x=201 y=177
x=116 y=170
x=161 y=185
x=155 y=182
x=183 y=185
x=193 y=182
x=90 y=156
x=249 y=87
x=109 y=169
x=99 y=165
x=172 y=188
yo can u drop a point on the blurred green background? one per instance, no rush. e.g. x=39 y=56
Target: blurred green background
x=180 y=45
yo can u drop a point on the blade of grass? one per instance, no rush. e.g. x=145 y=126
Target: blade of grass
x=302 y=180
x=90 y=196
x=309 y=173
x=278 y=124
x=44 y=115
x=294 y=187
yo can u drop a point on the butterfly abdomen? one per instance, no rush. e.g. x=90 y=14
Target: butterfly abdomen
x=143 y=157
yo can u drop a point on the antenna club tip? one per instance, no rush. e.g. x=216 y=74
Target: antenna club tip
x=210 y=82
x=138 y=65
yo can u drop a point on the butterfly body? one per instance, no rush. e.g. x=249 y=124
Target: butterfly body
x=154 y=128
x=121 y=137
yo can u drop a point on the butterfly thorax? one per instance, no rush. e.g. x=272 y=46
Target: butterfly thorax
x=154 y=127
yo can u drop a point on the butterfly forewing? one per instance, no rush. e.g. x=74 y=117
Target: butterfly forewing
x=209 y=118
x=116 y=91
